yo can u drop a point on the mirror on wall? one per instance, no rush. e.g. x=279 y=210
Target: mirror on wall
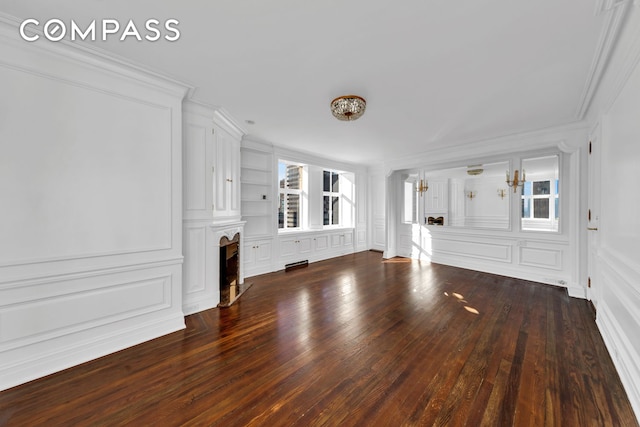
x=540 y=194
x=474 y=196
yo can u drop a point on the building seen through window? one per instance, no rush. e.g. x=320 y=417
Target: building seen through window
x=290 y=186
x=331 y=198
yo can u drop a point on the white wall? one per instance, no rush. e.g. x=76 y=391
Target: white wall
x=90 y=184
x=615 y=252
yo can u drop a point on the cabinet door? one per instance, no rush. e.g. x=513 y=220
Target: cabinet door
x=263 y=252
x=198 y=155
x=234 y=175
x=226 y=176
x=348 y=239
x=221 y=174
x=321 y=243
x=249 y=255
x=336 y=240
x=304 y=245
x=288 y=248
x=436 y=198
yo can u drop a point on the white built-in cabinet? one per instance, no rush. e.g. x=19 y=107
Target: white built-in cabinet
x=257 y=256
x=436 y=197
x=436 y=200
x=211 y=200
x=257 y=178
x=211 y=156
x=258 y=206
x=314 y=246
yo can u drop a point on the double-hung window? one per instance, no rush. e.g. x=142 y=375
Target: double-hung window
x=290 y=191
x=331 y=197
x=540 y=199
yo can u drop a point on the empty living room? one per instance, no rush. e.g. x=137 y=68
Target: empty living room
x=283 y=213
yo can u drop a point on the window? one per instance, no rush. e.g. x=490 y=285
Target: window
x=331 y=198
x=290 y=189
x=540 y=200
x=410 y=211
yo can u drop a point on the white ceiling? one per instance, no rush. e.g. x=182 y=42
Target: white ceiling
x=434 y=73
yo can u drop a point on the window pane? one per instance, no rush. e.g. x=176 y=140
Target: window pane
x=409 y=201
x=281 y=212
x=335 y=210
x=282 y=175
x=526 y=188
x=335 y=182
x=557 y=208
x=294 y=177
x=326 y=181
x=526 y=208
x=541 y=187
x=293 y=210
x=543 y=173
x=541 y=208
x=327 y=211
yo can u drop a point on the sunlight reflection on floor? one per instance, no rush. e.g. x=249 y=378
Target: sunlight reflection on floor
x=397 y=260
x=461 y=299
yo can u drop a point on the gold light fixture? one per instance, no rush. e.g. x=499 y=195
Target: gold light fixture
x=348 y=107
x=474 y=170
x=502 y=192
x=422 y=187
x=515 y=182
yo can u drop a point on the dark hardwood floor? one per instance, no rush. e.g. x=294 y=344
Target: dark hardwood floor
x=353 y=341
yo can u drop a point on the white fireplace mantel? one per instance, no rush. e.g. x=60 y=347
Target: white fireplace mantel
x=228 y=230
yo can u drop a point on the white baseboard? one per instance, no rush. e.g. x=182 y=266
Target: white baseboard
x=60 y=358
x=624 y=357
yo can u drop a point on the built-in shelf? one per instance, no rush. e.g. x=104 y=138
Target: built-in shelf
x=248 y=182
x=257 y=169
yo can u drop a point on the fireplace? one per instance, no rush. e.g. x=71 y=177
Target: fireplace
x=230 y=286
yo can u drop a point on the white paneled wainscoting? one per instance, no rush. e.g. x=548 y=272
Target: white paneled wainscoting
x=619 y=318
x=540 y=260
x=90 y=173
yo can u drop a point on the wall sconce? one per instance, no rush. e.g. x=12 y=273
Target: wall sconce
x=515 y=182
x=422 y=187
x=471 y=194
x=502 y=192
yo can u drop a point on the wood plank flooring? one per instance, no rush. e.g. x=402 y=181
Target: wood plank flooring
x=353 y=341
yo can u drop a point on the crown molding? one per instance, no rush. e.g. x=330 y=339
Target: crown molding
x=604 y=6
x=561 y=137
x=628 y=65
x=82 y=52
x=222 y=118
x=614 y=13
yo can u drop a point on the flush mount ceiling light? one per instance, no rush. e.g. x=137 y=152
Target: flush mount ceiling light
x=348 y=107
x=474 y=170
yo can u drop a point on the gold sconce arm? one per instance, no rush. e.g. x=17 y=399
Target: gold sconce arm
x=422 y=186
x=516 y=182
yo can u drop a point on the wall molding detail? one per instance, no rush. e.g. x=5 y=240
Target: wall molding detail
x=70 y=353
x=97 y=270
x=614 y=12
x=622 y=353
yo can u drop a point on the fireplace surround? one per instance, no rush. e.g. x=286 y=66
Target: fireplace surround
x=227 y=259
